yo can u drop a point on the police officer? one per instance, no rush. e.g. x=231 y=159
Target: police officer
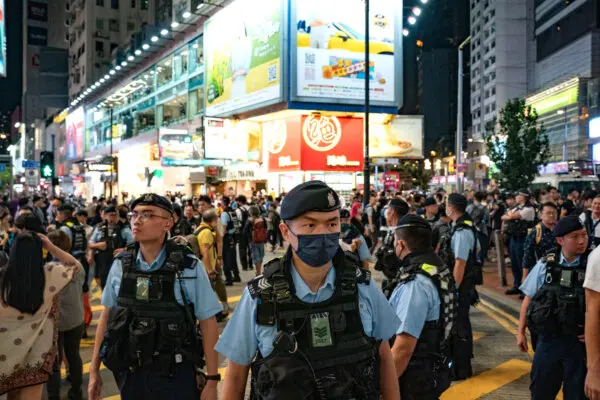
x=458 y=249
x=425 y=301
x=108 y=239
x=68 y=223
x=431 y=210
x=350 y=233
x=518 y=219
x=313 y=326
x=182 y=226
x=554 y=307
x=387 y=261
x=541 y=238
x=156 y=294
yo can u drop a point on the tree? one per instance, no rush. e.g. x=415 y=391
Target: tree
x=517 y=144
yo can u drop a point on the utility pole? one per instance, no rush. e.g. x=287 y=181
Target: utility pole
x=459 y=116
x=52 y=147
x=367 y=164
x=112 y=163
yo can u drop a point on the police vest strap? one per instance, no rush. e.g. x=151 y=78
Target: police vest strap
x=127 y=257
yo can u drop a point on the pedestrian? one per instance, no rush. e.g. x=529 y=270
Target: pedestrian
x=424 y=298
x=182 y=226
x=459 y=249
x=518 y=220
x=5 y=230
x=541 y=238
x=387 y=261
x=441 y=227
x=242 y=238
x=206 y=235
x=590 y=218
x=350 y=233
x=314 y=282
x=592 y=325
x=29 y=291
x=549 y=310
x=70 y=329
x=373 y=222
x=257 y=226
x=230 y=223
x=151 y=291
x=480 y=216
x=273 y=222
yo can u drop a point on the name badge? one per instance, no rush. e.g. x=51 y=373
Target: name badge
x=142 y=288
x=321 y=331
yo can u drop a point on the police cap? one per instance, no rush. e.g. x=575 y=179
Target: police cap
x=458 y=200
x=153 y=199
x=566 y=225
x=400 y=206
x=430 y=201
x=309 y=196
x=413 y=221
x=68 y=207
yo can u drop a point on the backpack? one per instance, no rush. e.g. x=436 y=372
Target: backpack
x=234 y=222
x=259 y=231
x=193 y=242
x=79 y=237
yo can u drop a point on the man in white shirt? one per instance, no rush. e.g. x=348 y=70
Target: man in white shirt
x=592 y=324
x=591 y=220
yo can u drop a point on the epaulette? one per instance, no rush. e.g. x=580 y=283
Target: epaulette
x=550 y=257
x=127 y=251
x=262 y=282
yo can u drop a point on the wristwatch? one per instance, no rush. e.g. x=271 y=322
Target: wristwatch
x=216 y=377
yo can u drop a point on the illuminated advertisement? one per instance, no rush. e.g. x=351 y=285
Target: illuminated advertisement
x=594 y=128
x=397 y=136
x=2 y=40
x=180 y=148
x=227 y=140
x=328 y=47
x=75 y=134
x=242 y=46
x=556 y=101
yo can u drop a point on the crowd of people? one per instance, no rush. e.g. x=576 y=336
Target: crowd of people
x=309 y=322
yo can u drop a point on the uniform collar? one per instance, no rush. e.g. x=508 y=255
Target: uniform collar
x=302 y=289
x=144 y=266
x=563 y=261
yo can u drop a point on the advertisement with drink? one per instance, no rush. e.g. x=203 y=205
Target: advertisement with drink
x=397 y=136
x=330 y=47
x=242 y=45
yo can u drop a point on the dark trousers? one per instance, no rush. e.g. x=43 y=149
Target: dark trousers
x=243 y=251
x=272 y=237
x=148 y=385
x=280 y=237
x=69 y=342
x=558 y=360
x=461 y=340
x=230 y=267
x=517 y=249
x=103 y=261
x=484 y=244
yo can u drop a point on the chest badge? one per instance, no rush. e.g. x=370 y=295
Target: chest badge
x=321 y=330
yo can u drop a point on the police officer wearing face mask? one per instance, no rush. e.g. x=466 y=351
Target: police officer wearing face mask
x=424 y=297
x=554 y=308
x=156 y=297
x=387 y=261
x=314 y=325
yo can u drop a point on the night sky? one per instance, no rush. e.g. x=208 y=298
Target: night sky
x=10 y=87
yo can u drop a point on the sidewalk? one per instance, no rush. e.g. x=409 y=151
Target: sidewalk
x=492 y=288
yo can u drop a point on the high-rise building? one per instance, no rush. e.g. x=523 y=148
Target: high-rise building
x=96 y=29
x=498 y=57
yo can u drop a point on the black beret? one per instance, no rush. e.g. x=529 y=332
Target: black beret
x=309 y=196
x=430 y=201
x=566 y=225
x=400 y=206
x=110 y=209
x=153 y=199
x=66 y=207
x=458 y=200
x=344 y=213
x=30 y=222
x=36 y=198
x=413 y=221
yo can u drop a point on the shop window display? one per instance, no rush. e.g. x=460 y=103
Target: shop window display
x=164 y=71
x=174 y=111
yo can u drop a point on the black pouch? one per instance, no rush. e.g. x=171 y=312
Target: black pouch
x=541 y=314
x=142 y=334
x=567 y=314
x=114 y=350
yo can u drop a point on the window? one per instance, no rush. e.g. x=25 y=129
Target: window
x=493 y=91
x=164 y=71
x=100 y=3
x=197 y=57
x=132 y=3
x=99 y=24
x=144 y=120
x=114 y=4
x=174 y=110
x=180 y=63
x=196 y=101
x=113 y=46
x=113 y=25
x=144 y=4
x=99 y=48
x=130 y=26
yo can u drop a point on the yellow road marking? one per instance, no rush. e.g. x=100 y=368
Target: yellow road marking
x=99 y=307
x=499 y=311
x=488 y=381
x=86 y=369
x=477 y=336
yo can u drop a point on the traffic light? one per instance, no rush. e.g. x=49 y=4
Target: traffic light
x=47 y=164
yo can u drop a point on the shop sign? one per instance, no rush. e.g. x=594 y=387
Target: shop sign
x=461 y=167
x=391 y=181
x=282 y=141
x=556 y=101
x=242 y=45
x=235 y=175
x=37 y=11
x=212 y=171
x=327 y=48
x=385 y=161
x=94 y=167
x=480 y=171
x=58 y=118
x=331 y=143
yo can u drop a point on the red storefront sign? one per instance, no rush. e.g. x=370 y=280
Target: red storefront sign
x=315 y=143
x=391 y=181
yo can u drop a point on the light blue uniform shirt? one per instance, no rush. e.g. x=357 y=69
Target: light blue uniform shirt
x=225 y=218
x=463 y=241
x=126 y=235
x=415 y=302
x=243 y=336
x=536 y=277
x=363 y=250
x=196 y=286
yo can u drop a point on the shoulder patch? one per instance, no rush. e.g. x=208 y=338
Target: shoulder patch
x=257 y=285
x=468 y=222
x=363 y=276
x=430 y=269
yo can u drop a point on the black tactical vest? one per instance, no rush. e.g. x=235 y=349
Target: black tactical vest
x=387 y=260
x=518 y=227
x=558 y=307
x=321 y=351
x=79 y=237
x=473 y=272
x=149 y=327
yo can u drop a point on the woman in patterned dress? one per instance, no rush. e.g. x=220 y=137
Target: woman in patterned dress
x=29 y=314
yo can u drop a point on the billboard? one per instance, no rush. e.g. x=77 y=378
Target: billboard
x=282 y=144
x=75 y=134
x=328 y=46
x=180 y=148
x=242 y=48
x=397 y=136
x=227 y=140
x=2 y=40
x=37 y=11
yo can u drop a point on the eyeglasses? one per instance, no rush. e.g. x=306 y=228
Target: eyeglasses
x=145 y=216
